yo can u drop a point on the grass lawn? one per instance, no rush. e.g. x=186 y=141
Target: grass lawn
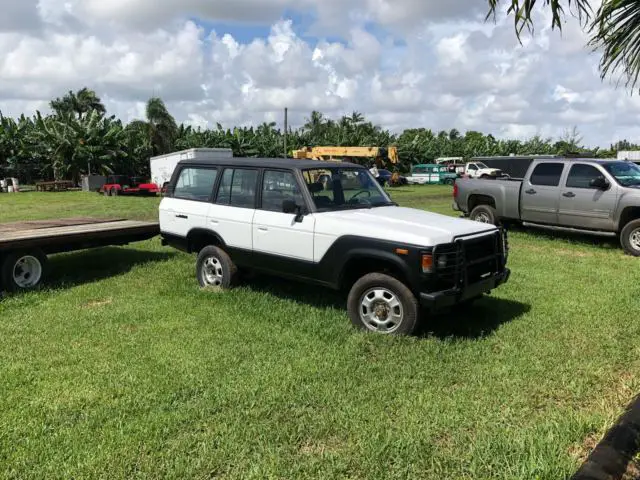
x=123 y=368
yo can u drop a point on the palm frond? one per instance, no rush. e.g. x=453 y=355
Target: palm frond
x=616 y=29
x=522 y=12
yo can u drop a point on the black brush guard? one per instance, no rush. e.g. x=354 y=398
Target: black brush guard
x=467 y=268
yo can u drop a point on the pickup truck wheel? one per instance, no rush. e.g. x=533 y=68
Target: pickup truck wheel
x=630 y=238
x=22 y=271
x=383 y=304
x=484 y=214
x=214 y=268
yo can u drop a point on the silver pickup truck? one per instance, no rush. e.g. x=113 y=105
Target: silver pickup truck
x=600 y=197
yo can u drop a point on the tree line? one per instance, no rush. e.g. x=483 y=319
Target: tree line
x=78 y=137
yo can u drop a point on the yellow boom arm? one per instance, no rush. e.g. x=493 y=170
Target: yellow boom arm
x=329 y=153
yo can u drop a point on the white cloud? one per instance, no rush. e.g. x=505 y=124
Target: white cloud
x=439 y=66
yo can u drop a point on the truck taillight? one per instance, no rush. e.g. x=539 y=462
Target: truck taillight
x=455 y=190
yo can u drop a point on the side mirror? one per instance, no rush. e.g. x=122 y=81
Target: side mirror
x=599 y=182
x=289 y=206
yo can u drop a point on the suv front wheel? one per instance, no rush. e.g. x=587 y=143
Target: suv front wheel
x=214 y=268
x=383 y=304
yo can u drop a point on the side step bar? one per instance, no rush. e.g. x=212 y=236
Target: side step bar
x=570 y=229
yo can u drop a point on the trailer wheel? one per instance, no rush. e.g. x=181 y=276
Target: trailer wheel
x=114 y=192
x=22 y=271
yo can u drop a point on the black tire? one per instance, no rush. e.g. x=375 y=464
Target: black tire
x=226 y=271
x=114 y=192
x=449 y=181
x=484 y=214
x=106 y=193
x=630 y=238
x=408 y=312
x=14 y=276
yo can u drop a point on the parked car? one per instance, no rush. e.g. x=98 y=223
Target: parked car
x=125 y=185
x=387 y=176
x=424 y=174
x=599 y=197
x=480 y=170
x=273 y=215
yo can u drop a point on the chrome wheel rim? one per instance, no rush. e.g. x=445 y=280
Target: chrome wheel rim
x=380 y=310
x=27 y=271
x=634 y=239
x=212 y=271
x=482 y=217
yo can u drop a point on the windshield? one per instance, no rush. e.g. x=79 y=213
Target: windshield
x=626 y=173
x=336 y=188
x=481 y=165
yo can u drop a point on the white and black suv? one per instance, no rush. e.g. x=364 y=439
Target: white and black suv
x=329 y=223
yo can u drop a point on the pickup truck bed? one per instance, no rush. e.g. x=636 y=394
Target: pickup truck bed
x=27 y=243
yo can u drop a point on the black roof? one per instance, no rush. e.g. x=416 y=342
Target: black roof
x=269 y=162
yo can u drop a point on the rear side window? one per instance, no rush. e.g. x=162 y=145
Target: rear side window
x=238 y=188
x=195 y=183
x=547 y=174
x=277 y=187
x=581 y=175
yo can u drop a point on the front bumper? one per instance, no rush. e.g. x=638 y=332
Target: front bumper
x=453 y=296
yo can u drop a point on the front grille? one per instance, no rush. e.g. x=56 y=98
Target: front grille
x=468 y=260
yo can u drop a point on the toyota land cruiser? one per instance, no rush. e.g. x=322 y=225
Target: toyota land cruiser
x=329 y=223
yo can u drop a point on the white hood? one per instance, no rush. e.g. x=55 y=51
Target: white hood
x=401 y=224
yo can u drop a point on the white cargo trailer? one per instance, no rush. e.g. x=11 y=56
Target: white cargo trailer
x=162 y=166
x=632 y=155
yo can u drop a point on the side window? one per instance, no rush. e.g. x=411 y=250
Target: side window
x=580 y=175
x=472 y=166
x=278 y=187
x=195 y=183
x=547 y=174
x=238 y=188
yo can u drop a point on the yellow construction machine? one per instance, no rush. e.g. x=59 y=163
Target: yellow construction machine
x=379 y=155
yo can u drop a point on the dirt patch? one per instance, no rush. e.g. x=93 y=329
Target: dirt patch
x=130 y=328
x=566 y=252
x=582 y=451
x=317 y=448
x=633 y=471
x=97 y=303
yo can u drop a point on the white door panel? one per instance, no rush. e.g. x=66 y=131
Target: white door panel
x=233 y=224
x=278 y=233
x=178 y=216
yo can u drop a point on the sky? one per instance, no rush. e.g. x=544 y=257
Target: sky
x=402 y=63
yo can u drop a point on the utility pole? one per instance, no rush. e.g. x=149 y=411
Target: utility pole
x=286 y=128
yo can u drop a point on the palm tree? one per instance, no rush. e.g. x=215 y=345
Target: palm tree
x=163 y=129
x=80 y=103
x=614 y=29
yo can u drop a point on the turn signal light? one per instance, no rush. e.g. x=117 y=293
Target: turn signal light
x=427 y=263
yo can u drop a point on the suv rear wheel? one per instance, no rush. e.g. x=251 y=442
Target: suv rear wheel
x=214 y=268
x=383 y=304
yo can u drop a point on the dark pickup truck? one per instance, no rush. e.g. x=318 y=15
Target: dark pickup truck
x=599 y=197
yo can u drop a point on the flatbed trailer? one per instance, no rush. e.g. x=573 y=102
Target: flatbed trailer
x=24 y=246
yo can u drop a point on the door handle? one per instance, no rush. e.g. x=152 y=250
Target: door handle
x=263 y=229
x=182 y=216
x=531 y=191
x=215 y=222
x=569 y=194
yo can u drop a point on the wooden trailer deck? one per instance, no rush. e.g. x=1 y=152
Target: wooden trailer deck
x=62 y=235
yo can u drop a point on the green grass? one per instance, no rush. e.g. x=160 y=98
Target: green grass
x=123 y=368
